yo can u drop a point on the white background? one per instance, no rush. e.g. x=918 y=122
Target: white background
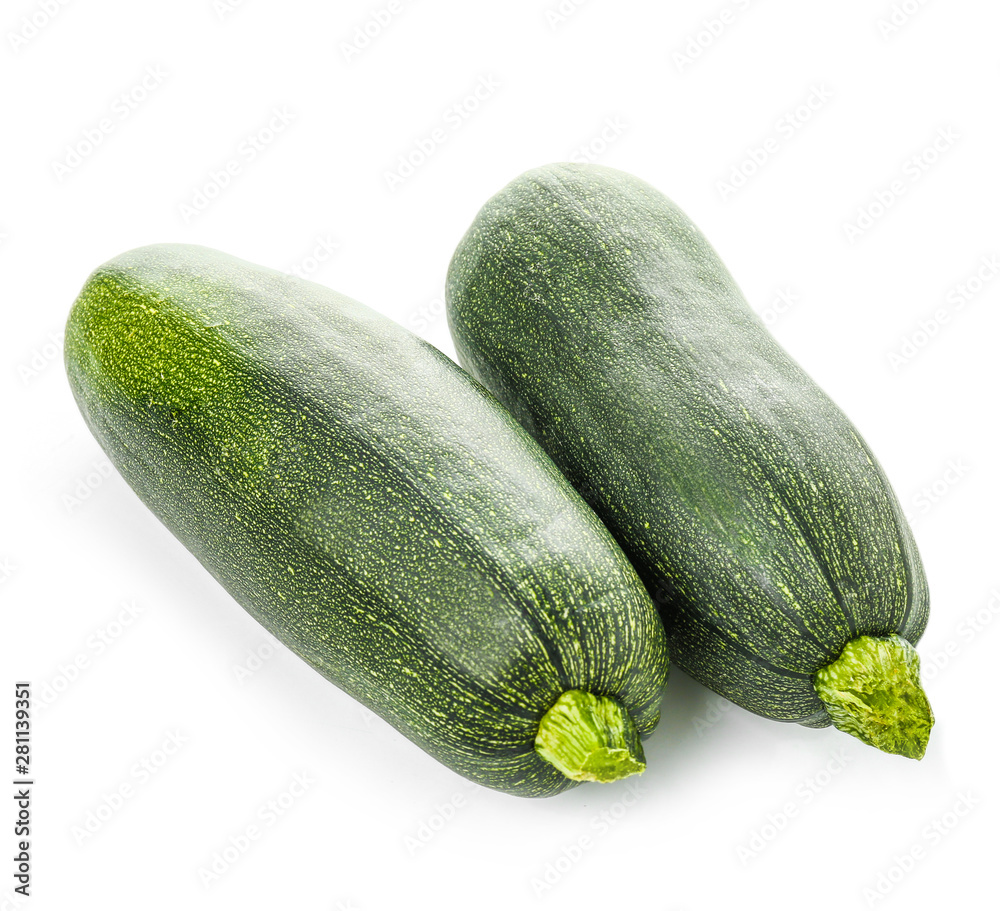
x=733 y=808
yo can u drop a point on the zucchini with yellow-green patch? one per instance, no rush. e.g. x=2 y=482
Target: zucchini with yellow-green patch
x=376 y=510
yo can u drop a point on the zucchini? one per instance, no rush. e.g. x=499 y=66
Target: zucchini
x=376 y=510
x=787 y=577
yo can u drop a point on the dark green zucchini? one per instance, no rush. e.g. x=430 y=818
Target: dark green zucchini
x=376 y=510
x=787 y=576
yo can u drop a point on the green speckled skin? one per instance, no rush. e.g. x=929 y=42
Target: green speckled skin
x=366 y=501
x=596 y=311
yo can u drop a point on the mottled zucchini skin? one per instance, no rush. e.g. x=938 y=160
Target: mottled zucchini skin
x=593 y=308
x=366 y=501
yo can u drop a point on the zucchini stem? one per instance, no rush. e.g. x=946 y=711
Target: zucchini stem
x=590 y=738
x=873 y=692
